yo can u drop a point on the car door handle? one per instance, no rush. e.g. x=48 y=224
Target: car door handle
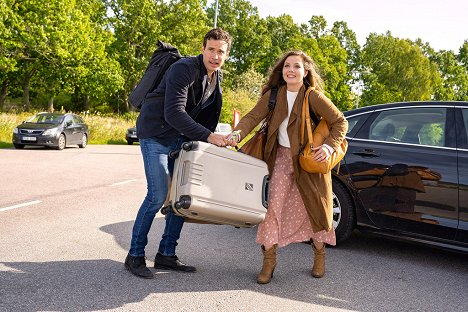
x=367 y=153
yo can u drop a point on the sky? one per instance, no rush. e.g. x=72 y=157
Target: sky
x=443 y=24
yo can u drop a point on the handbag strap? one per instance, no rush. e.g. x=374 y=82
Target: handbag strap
x=306 y=119
x=307 y=114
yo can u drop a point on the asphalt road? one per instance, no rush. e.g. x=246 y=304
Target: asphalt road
x=65 y=223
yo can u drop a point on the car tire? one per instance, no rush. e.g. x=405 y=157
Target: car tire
x=344 y=215
x=18 y=146
x=62 y=142
x=129 y=142
x=84 y=141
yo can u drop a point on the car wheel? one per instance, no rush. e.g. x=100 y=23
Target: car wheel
x=18 y=146
x=343 y=212
x=62 y=142
x=129 y=142
x=84 y=141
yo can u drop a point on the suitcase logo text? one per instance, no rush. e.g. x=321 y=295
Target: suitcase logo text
x=249 y=187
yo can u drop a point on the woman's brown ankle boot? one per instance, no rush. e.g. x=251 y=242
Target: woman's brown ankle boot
x=318 y=270
x=269 y=264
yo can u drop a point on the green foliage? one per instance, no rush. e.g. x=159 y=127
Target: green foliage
x=248 y=30
x=184 y=23
x=89 y=54
x=240 y=100
x=107 y=129
x=249 y=81
x=398 y=70
x=432 y=135
x=454 y=83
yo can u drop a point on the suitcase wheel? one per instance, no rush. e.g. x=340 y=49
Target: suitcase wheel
x=165 y=210
x=174 y=154
x=183 y=203
x=189 y=146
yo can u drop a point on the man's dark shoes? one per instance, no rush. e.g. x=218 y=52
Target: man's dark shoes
x=171 y=263
x=137 y=265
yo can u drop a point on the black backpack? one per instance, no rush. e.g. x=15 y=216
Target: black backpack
x=164 y=56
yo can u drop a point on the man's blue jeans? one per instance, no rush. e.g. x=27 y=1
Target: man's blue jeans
x=157 y=168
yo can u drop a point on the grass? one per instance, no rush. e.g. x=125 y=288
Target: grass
x=102 y=129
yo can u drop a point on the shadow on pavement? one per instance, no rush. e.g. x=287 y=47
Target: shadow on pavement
x=365 y=274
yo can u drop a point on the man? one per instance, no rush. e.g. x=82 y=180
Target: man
x=185 y=106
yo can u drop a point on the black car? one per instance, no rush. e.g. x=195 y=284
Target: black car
x=51 y=129
x=405 y=174
x=131 y=136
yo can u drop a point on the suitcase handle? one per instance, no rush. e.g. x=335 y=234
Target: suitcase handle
x=265 y=190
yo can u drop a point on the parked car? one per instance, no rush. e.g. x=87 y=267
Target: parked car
x=131 y=136
x=405 y=174
x=51 y=129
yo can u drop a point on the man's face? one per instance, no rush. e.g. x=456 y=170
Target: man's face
x=214 y=54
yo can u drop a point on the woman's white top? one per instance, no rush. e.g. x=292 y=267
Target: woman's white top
x=283 y=138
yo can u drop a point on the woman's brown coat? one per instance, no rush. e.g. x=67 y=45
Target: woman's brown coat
x=315 y=188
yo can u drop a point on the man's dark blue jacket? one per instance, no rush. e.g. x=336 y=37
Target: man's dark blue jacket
x=174 y=107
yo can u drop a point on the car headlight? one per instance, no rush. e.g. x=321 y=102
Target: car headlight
x=51 y=131
x=15 y=130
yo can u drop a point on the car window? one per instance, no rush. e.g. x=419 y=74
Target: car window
x=77 y=120
x=425 y=126
x=465 y=120
x=45 y=118
x=352 y=121
x=69 y=121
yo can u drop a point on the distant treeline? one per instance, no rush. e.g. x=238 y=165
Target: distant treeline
x=87 y=55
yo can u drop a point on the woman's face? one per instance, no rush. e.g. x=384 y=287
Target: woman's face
x=294 y=72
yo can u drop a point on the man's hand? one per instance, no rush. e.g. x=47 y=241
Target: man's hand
x=217 y=139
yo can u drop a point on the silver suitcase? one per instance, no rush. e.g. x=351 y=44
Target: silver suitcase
x=217 y=185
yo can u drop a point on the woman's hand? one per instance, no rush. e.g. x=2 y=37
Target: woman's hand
x=233 y=138
x=321 y=153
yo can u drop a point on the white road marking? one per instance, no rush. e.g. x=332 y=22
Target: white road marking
x=331 y=298
x=123 y=182
x=21 y=205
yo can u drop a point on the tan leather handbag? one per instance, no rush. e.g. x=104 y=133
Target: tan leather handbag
x=321 y=132
x=255 y=146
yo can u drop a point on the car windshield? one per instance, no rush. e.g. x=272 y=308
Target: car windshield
x=46 y=118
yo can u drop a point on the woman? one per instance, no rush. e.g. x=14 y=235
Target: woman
x=300 y=204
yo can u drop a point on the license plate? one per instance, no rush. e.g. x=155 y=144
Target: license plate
x=28 y=139
x=133 y=135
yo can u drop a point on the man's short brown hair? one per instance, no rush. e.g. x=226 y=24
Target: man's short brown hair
x=218 y=34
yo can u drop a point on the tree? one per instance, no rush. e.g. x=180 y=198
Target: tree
x=184 y=23
x=348 y=41
x=454 y=83
x=249 y=33
x=52 y=44
x=139 y=24
x=397 y=70
x=135 y=24
x=331 y=58
x=284 y=35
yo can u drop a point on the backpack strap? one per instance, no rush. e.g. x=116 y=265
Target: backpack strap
x=272 y=103
x=196 y=109
x=272 y=100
